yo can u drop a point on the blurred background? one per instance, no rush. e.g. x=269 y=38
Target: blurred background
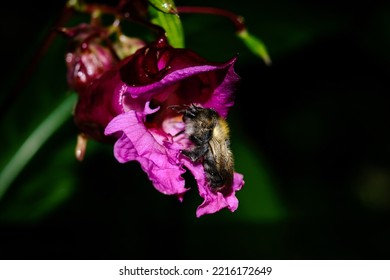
x=310 y=134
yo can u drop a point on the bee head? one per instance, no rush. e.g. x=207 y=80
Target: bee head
x=193 y=112
x=188 y=111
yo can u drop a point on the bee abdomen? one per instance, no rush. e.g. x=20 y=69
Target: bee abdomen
x=218 y=177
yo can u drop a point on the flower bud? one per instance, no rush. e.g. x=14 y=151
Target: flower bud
x=87 y=57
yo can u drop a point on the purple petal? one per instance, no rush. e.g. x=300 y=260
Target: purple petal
x=159 y=72
x=157 y=154
x=213 y=202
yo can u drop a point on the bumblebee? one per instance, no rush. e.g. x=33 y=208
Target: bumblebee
x=209 y=133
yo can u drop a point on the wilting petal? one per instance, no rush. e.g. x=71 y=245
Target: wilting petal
x=98 y=105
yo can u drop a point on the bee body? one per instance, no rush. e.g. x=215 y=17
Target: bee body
x=209 y=133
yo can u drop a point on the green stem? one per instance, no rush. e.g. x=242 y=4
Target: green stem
x=34 y=142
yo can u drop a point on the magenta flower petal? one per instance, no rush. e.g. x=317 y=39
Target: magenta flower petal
x=153 y=152
x=180 y=76
x=213 y=202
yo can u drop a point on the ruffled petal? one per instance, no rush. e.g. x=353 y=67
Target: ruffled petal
x=155 y=153
x=213 y=202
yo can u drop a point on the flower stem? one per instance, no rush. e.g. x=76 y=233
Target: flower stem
x=34 y=142
x=252 y=42
x=237 y=20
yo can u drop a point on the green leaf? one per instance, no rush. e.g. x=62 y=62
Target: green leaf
x=255 y=45
x=34 y=142
x=171 y=24
x=165 y=6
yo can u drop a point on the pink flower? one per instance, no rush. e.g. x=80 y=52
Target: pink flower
x=132 y=104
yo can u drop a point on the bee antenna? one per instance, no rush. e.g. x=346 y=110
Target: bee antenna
x=173 y=107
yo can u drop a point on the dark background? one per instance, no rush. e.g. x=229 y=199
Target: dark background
x=310 y=134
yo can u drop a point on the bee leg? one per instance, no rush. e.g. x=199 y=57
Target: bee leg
x=190 y=154
x=180 y=132
x=191 y=112
x=196 y=153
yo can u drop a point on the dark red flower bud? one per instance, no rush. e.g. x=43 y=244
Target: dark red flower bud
x=88 y=56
